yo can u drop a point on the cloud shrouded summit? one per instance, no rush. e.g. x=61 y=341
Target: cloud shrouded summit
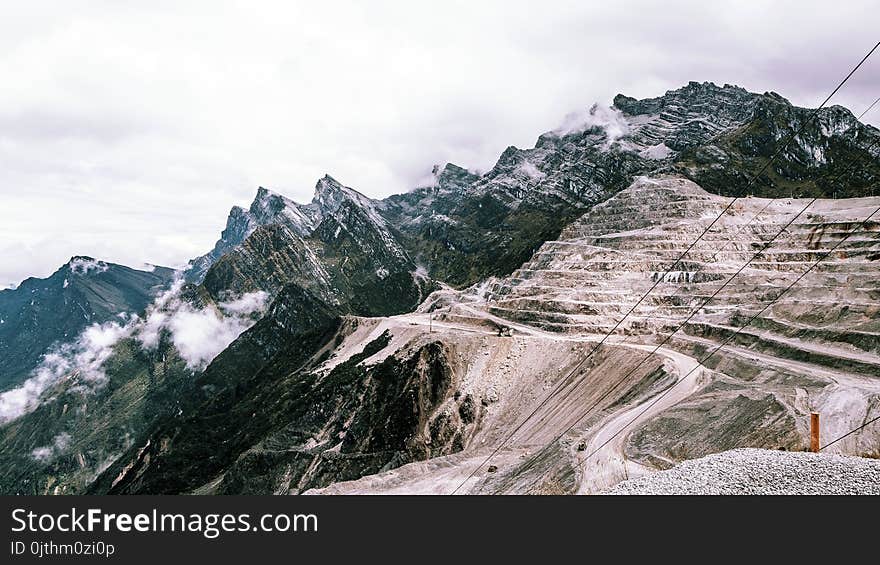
x=126 y=132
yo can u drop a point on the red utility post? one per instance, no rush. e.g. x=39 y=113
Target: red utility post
x=814 y=432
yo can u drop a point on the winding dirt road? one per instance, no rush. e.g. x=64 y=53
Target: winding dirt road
x=603 y=463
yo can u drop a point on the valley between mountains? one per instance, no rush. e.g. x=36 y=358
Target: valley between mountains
x=453 y=338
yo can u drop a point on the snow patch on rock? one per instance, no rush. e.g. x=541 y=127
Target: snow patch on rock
x=86 y=265
x=656 y=152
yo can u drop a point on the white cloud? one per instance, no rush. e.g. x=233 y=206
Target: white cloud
x=82 y=360
x=430 y=180
x=247 y=304
x=129 y=130
x=58 y=446
x=531 y=171
x=83 y=266
x=149 y=332
x=609 y=120
x=199 y=335
x=42 y=454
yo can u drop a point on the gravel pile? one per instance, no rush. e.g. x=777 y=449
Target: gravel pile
x=760 y=471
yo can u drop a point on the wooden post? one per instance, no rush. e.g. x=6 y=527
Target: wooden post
x=814 y=432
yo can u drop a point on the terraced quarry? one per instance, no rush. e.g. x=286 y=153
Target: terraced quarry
x=815 y=349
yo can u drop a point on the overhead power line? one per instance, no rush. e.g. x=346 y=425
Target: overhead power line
x=874 y=103
x=851 y=432
x=822 y=257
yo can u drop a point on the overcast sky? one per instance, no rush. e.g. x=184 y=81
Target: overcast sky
x=128 y=129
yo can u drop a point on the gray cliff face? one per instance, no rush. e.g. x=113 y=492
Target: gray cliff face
x=268 y=208
x=689 y=116
x=337 y=247
x=829 y=155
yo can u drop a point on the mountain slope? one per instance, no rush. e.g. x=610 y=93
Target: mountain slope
x=348 y=257
x=41 y=313
x=153 y=370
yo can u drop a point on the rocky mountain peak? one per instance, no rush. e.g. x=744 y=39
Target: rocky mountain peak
x=83 y=265
x=770 y=95
x=453 y=177
x=331 y=196
x=267 y=208
x=45 y=312
x=687 y=116
x=270 y=207
x=329 y=193
x=265 y=199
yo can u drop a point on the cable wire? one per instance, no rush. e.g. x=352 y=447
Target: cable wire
x=704 y=303
x=828 y=252
x=851 y=432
